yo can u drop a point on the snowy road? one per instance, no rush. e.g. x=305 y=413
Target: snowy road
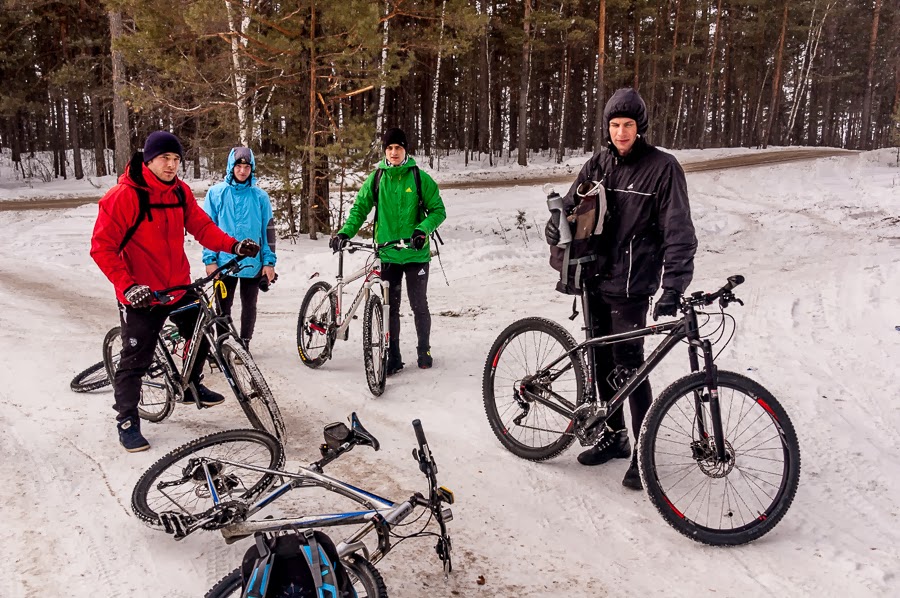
x=819 y=243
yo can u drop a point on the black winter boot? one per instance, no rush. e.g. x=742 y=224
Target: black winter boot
x=395 y=361
x=612 y=445
x=130 y=435
x=425 y=360
x=632 y=477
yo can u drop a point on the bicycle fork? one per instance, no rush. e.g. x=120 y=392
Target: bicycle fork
x=712 y=392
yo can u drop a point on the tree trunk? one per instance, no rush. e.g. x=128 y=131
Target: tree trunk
x=436 y=87
x=312 y=159
x=827 y=110
x=379 y=119
x=238 y=75
x=120 y=110
x=97 y=130
x=866 y=133
x=567 y=69
x=524 y=76
x=776 y=78
x=709 y=79
x=484 y=88
x=666 y=115
x=75 y=138
x=60 y=140
x=600 y=132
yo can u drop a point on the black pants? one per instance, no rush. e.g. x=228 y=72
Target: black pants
x=249 y=296
x=614 y=315
x=140 y=332
x=417 y=291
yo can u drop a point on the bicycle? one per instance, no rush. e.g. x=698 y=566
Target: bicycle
x=165 y=383
x=695 y=451
x=218 y=483
x=322 y=320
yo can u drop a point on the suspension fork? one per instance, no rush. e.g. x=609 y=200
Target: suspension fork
x=694 y=343
x=589 y=353
x=715 y=413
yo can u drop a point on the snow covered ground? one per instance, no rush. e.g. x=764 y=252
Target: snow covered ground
x=819 y=244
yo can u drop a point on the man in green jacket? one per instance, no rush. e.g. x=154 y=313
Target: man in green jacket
x=401 y=213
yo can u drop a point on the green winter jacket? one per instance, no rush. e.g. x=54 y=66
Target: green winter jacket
x=398 y=211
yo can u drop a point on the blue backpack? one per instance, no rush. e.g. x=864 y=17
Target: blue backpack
x=301 y=564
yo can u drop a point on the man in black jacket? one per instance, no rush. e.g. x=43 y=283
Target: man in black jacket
x=647 y=232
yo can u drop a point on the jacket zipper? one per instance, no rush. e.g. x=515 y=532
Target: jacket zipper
x=630 y=260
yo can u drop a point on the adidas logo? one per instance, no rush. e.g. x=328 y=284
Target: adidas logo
x=630 y=187
x=422 y=272
x=408 y=190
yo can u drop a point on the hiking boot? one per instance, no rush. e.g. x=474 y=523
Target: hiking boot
x=425 y=360
x=207 y=397
x=130 y=435
x=612 y=445
x=632 y=477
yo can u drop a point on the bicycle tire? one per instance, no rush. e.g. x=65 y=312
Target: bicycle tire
x=255 y=398
x=374 y=351
x=140 y=497
x=500 y=373
x=229 y=586
x=92 y=378
x=157 y=389
x=324 y=320
x=366 y=579
x=763 y=411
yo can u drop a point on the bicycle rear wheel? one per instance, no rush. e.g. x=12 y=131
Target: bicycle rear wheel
x=719 y=503
x=157 y=391
x=527 y=428
x=316 y=324
x=255 y=397
x=173 y=483
x=93 y=378
x=374 y=345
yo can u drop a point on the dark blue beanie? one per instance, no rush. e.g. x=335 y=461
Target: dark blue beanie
x=161 y=142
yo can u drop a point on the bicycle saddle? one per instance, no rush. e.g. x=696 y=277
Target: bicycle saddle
x=361 y=435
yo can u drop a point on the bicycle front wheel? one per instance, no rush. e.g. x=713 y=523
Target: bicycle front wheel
x=723 y=503
x=316 y=324
x=521 y=355
x=157 y=391
x=229 y=586
x=366 y=579
x=254 y=397
x=93 y=378
x=374 y=345
x=175 y=483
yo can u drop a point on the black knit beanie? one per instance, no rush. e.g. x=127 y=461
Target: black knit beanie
x=161 y=142
x=392 y=136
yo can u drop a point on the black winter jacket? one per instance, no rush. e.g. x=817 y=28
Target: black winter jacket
x=648 y=225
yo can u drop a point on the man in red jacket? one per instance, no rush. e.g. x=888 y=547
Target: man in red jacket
x=142 y=250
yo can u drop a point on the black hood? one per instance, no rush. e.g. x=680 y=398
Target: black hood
x=628 y=103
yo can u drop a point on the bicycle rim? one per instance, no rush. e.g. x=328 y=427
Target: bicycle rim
x=157 y=391
x=92 y=378
x=176 y=484
x=374 y=345
x=527 y=428
x=365 y=578
x=315 y=325
x=722 y=503
x=255 y=397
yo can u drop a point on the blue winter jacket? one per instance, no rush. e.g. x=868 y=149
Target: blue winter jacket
x=244 y=211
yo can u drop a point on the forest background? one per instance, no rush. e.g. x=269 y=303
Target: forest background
x=309 y=85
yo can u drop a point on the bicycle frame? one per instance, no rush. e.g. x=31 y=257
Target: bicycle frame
x=372 y=276
x=599 y=412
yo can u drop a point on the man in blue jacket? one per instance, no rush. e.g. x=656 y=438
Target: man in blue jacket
x=239 y=207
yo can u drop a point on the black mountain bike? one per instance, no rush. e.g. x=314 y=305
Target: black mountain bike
x=166 y=381
x=718 y=454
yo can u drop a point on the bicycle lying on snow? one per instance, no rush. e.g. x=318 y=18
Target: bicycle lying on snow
x=322 y=318
x=718 y=454
x=217 y=483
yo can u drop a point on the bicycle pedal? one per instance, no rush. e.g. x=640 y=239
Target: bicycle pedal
x=173 y=524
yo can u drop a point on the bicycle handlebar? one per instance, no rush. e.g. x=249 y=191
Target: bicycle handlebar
x=420 y=434
x=724 y=295
x=231 y=266
x=356 y=245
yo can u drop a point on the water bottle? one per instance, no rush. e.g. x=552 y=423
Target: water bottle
x=558 y=215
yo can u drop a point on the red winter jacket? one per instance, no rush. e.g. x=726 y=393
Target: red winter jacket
x=155 y=254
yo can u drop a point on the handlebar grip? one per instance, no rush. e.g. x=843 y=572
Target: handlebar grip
x=734 y=281
x=420 y=434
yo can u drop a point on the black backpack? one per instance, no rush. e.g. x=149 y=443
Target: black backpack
x=302 y=564
x=144 y=205
x=376 y=184
x=581 y=258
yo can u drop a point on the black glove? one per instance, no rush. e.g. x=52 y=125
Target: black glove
x=247 y=247
x=264 y=283
x=551 y=232
x=418 y=239
x=139 y=295
x=667 y=304
x=338 y=242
